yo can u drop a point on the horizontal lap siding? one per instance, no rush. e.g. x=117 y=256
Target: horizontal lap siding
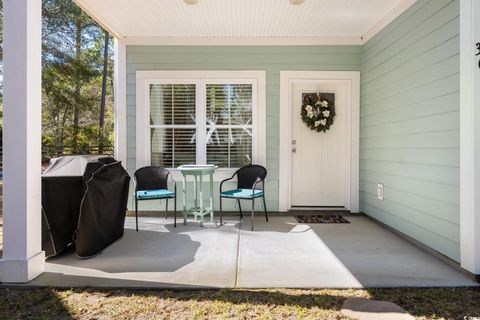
x=410 y=123
x=272 y=59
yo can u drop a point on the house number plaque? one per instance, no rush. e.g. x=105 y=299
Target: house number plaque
x=478 y=52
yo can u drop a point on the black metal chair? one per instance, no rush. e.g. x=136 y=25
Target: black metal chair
x=151 y=183
x=247 y=179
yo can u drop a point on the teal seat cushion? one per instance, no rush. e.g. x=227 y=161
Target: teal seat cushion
x=242 y=193
x=154 y=194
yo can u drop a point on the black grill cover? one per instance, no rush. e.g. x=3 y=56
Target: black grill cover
x=84 y=202
x=61 y=197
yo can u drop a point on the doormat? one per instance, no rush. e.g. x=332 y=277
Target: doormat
x=321 y=219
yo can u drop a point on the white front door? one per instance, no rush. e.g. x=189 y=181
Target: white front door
x=318 y=158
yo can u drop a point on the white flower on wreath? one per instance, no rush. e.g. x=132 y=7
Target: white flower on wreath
x=326 y=113
x=317 y=123
x=323 y=122
x=325 y=103
x=309 y=108
x=310 y=114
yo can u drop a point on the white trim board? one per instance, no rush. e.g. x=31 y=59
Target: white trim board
x=469 y=136
x=243 y=41
x=352 y=79
x=120 y=83
x=201 y=77
x=392 y=15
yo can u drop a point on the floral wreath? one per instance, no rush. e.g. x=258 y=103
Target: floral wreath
x=317 y=113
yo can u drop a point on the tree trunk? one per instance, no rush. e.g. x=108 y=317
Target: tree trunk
x=62 y=131
x=104 y=93
x=76 y=104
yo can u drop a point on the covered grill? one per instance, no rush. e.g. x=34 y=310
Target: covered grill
x=84 y=203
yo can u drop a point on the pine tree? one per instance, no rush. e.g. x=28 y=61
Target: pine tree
x=73 y=70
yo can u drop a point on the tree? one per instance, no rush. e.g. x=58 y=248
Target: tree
x=104 y=92
x=75 y=64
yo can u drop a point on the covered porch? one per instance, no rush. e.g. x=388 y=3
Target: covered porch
x=432 y=184
x=281 y=253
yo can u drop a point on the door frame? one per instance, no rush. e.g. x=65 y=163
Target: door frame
x=352 y=111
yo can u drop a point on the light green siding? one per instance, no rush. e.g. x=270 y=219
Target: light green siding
x=410 y=125
x=272 y=59
x=409 y=138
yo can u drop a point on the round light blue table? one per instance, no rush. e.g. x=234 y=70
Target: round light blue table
x=199 y=211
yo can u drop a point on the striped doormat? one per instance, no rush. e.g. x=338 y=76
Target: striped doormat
x=321 y=219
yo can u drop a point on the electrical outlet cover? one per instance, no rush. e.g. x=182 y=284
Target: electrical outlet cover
x=380 y=191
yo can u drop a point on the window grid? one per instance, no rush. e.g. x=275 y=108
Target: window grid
x=200 y=112
x=169 y=145
x=236 y=100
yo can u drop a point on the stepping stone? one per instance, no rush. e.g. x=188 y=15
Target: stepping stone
x=366 y=309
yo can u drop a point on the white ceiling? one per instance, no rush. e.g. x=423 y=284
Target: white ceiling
x=340 y=19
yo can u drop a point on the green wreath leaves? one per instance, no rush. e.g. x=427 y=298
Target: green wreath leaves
x=317 y=113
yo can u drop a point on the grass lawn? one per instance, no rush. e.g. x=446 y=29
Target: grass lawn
x=227 y=304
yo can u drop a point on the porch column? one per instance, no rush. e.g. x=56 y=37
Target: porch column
x=23 y=258
x=470 y=135
x=120 y=90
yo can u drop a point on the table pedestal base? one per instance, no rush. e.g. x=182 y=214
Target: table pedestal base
x=199 y=210
x=198 y=214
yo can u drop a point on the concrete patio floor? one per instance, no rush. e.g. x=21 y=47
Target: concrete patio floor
x=280 y=253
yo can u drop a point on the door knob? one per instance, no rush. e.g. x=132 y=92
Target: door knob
x=294 y=150
x=294 y=142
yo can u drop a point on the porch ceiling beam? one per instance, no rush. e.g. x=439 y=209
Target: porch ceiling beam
x=23 y=258
x=242 y=41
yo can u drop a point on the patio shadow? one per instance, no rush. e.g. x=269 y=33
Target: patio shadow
x=143 y=251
